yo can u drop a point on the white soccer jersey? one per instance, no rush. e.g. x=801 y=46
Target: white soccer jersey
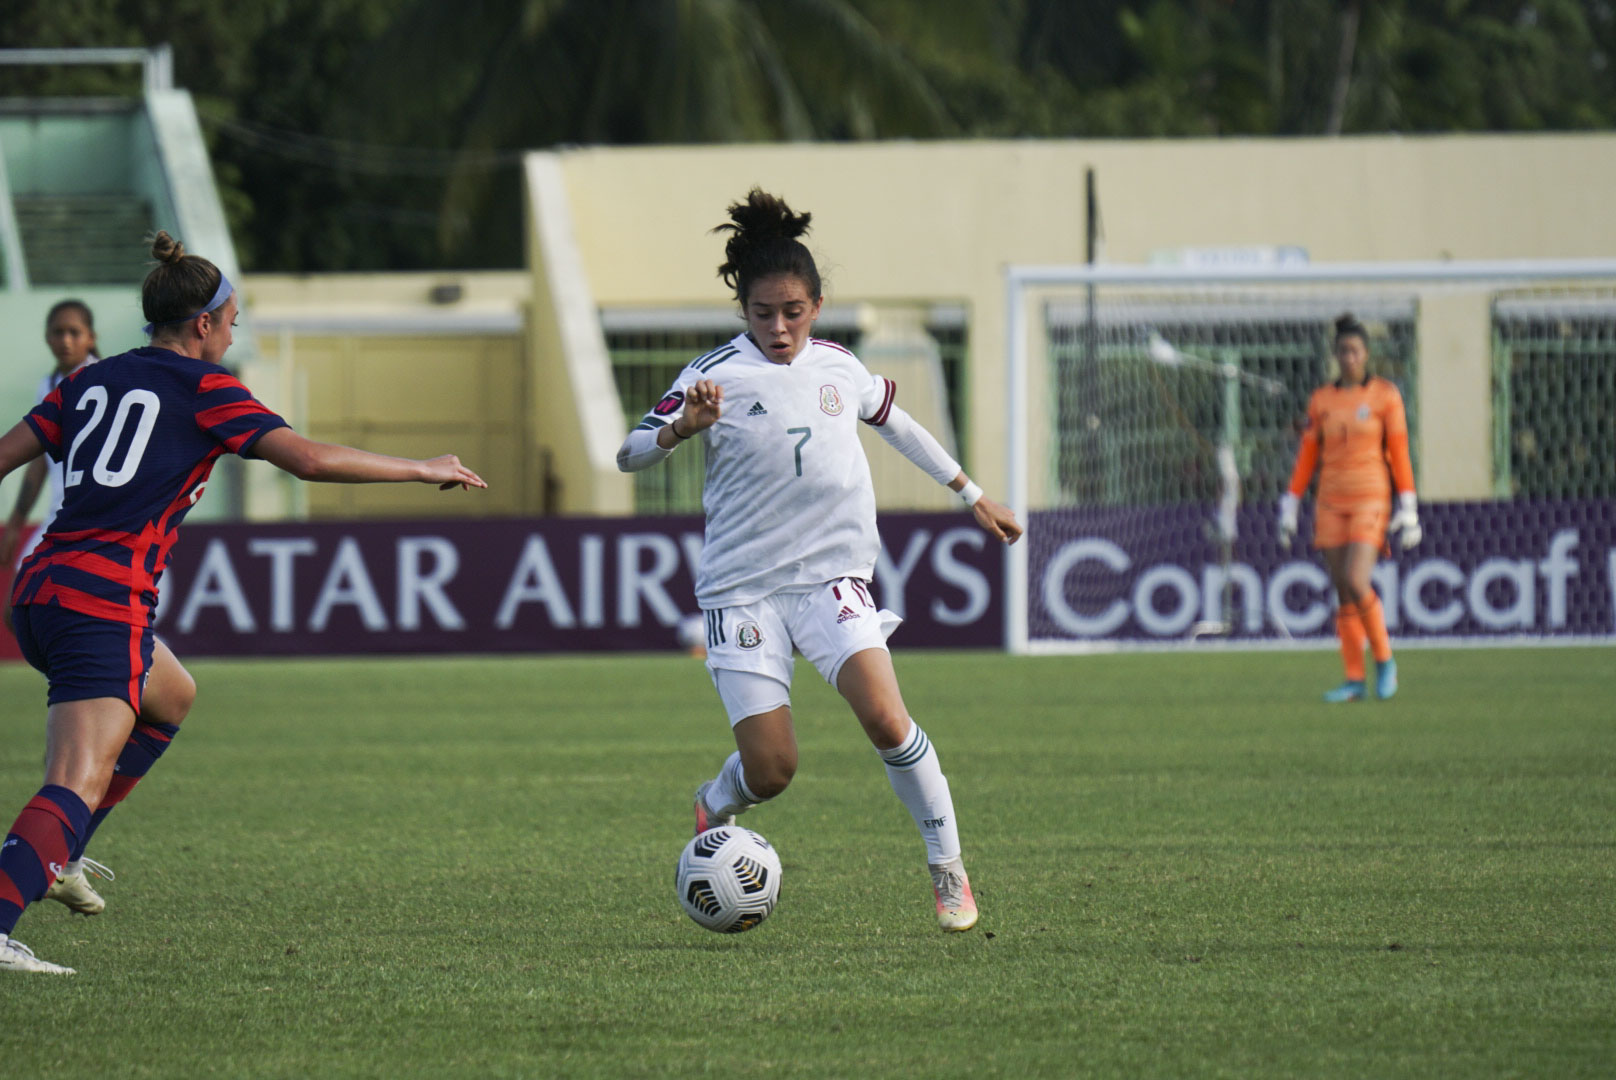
x=788 y=495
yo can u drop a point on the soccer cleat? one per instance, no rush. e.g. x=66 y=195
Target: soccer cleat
x=705 y=818
x=72 y=888
x=15 y=956
x=956 y=906
x=1351 y=690
x=1386 y=679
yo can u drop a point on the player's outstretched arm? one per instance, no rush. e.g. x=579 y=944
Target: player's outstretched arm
x=334 y=464
x=18 y=447
x=996 y=518
x=33 y=481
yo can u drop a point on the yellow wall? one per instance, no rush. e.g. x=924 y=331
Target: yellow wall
x=415 y=397
x=377 y=360
x=370 y=361
x=899 y=222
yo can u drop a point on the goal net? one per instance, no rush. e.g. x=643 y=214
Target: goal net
x=1157 y=413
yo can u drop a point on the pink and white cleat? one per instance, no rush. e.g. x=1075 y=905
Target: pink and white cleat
x=956 y=906
x=705 y=818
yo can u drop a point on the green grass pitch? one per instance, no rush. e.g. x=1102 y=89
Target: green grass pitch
x=1186 y=865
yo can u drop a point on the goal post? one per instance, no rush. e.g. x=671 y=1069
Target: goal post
x=1154 y=414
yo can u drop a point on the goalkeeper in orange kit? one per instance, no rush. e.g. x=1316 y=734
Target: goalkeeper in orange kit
x=1357 y=436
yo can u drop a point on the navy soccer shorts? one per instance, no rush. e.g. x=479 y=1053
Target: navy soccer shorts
x=82 y=656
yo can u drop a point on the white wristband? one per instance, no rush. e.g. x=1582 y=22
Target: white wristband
x=970 y=493
x=1408 y=502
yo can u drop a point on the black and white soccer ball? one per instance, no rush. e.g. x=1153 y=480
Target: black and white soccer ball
x=729 y=879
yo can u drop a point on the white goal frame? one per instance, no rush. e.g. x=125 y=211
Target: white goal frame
x=1023 y=282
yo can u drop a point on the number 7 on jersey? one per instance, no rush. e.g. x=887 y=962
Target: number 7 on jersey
x=806 y=433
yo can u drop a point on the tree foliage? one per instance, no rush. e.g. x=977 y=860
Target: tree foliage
x=353 y=134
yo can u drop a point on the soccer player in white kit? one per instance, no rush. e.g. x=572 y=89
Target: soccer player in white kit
x=70 y=336
x=791 y=541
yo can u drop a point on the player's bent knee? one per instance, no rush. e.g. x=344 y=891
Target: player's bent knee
x=170 y=701
x=777 y=776
x=887 y=729
x=770 y=774
x=769 y=785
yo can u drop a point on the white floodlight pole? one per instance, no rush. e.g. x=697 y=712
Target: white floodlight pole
x=1018 y=461
x=11 y=236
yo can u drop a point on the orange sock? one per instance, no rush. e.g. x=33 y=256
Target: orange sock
x=1349 y=627
x=1374 y=624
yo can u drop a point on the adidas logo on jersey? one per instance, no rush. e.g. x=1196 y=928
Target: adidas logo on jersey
x=757 y=409
x=847 y=613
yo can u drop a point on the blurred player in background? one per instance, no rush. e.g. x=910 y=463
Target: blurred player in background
x=137 y=435
x=1356 y=432
x=70 y=335
x=791 y=540
x=691 y=633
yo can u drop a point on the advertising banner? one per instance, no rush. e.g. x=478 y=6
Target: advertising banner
x=1484 y=571
x=1126 y=577
x=541 y=585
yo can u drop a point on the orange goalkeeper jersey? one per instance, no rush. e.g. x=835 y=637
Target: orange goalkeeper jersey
x=1356 y=433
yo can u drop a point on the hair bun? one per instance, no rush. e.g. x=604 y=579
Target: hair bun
x=764 y=217
x=1347 y=323
x=763 y=240
x=166 y=249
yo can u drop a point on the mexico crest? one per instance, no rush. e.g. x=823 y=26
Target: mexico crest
x=829 y=400
x=748 y=636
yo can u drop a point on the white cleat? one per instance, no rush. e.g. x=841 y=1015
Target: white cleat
x=956 y=906
x=72 y=888
x=15 y=956
x=705 y=818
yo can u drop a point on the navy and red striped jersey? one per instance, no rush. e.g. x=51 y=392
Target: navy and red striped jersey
x=137 y=435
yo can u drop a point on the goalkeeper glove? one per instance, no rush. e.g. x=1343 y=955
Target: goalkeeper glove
x=1406 y=521
x=1287 y=519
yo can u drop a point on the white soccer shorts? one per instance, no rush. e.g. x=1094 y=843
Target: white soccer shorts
x=749 y=649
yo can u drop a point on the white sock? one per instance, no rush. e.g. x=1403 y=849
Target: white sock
x=918 y=780
x=728 y=793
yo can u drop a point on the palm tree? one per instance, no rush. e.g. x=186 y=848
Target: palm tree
x=484 y=77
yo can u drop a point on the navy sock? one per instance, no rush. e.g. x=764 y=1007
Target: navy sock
x=146 y=744
x=38 y=846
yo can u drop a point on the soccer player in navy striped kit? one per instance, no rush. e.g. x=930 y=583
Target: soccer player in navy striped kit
x=791 y=542
x=137 y=435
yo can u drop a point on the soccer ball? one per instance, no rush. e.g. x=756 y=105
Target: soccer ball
x=729 y=879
